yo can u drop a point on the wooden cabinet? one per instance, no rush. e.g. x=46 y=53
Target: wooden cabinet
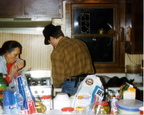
x=36 y=9
x=45 y=8
x=92 y=22
x=134 y=26
x=91 y=1
x=11 y=8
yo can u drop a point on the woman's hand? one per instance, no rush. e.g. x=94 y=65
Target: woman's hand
x=20 y=64
x=13 y=71
x=16 y=67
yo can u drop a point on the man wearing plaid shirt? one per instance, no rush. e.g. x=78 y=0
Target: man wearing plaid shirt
x=70 y=56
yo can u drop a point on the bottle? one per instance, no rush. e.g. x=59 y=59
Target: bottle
x=102 y=107
x=106 y=97
x=117 y=94
x=2 y=86
x=47 y=101
x=113 y=106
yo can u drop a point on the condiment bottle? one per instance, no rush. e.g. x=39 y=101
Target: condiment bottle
x=113 y=105
x=102 y=107
x=106 y=96
x=47 y=101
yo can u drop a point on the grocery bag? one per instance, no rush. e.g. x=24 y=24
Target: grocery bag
x=18 y=98
x=89 y=91
x=24 y=90
x=11 y=102
x=12 y=99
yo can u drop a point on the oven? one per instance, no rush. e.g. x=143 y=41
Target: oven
x=40 y=82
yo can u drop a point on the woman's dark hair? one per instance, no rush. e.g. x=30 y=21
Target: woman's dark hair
x=9 y=46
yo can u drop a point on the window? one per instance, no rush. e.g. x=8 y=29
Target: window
x=99 y=26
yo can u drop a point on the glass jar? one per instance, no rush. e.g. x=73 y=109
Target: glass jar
x=79 y=110
x=101 y=107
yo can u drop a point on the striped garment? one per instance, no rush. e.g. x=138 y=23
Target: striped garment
x=71 y=57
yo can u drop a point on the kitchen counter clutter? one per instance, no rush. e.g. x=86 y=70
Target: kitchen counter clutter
x=91 y=98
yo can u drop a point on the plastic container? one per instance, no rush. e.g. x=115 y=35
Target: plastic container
x=113 y=105
x=47 y=101
x=129 y=106
x=61 y=100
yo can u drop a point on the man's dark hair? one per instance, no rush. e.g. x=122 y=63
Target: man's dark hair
x=51 y=30
x=57 y=34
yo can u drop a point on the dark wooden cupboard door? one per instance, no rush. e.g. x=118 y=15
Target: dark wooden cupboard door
x=92 y=24
x=134 y=26
x=43 y=8
x=37 y=9
x=11 y=8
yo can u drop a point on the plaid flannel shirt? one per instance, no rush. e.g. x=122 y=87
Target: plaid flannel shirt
x=71 y=57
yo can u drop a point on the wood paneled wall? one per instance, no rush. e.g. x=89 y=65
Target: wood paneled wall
x=131 y=59
x=36 y=54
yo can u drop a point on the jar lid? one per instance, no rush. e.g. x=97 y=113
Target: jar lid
x=46 y=97
x=79 y=108
x=129 y=104
x=67 y=109
x=103 y=103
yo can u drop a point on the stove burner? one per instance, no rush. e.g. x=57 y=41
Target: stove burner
x=41 y=82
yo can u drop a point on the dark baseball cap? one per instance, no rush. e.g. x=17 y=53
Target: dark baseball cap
x=48 y=31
